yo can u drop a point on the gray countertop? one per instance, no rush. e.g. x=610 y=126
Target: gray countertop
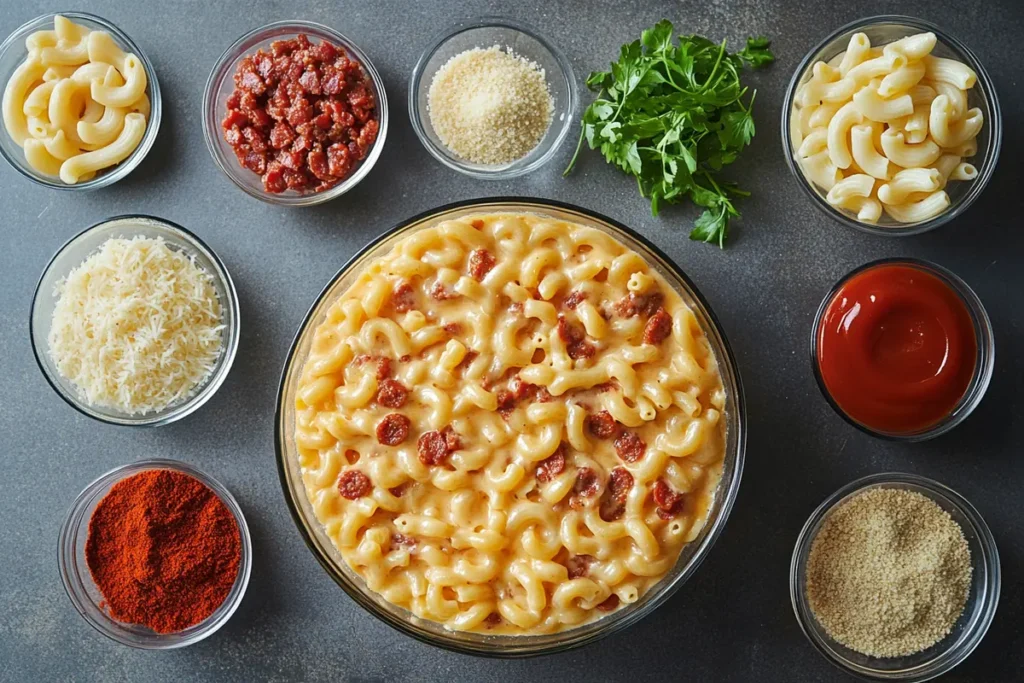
x=732 y=621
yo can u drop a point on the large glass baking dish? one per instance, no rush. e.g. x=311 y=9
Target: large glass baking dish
x=505 y=645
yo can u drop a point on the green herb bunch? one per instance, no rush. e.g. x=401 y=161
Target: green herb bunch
x=673 y=116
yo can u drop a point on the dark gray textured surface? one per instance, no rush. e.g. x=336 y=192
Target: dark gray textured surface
x=732 y=621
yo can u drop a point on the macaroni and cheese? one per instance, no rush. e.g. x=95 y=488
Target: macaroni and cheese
x=886 y=128
x=77 y=104
x=510 y=423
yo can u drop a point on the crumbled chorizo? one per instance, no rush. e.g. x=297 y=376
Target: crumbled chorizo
x=393 y=429
x=634 y=304
x=658 y=327
x=630 y=447
x=543 y=395
x=613 y=504
x=383 y=364
x=551 y=466
x=573 y=337
x=293 y=93
x=602 y=425
x=403 y=298
x=467 y=360
x=453 y=328
x=481 y=262
x=353 y=484
x=452 y=440
x=441 y=293
x=579 y=565
x=580 y=349
x=432 y=448
x=620 y=481
x=574 y=299
x=391 y=394
x=586 y=487
x=568 y=332
x=611 y=603
x=402 y=540
x=668 y=502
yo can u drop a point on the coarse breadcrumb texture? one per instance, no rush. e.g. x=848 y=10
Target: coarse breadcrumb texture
x=888 y=573
x=137 y=326
x=490 y=106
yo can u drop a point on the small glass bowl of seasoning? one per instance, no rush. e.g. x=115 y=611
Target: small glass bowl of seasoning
x=929 y=510
x=902 y=349
x=492 y=98
x=262 y=161
x=880 y=31
x=159 y=519
x=13 y=52
x=107 y=251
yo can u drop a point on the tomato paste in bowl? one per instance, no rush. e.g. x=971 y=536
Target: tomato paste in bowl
x=902 y=349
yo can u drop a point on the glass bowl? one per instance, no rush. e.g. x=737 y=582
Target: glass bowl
x=13 y=52
x=525 y=42
x=886 y=29
x=507 y=646
x=984 y=338
x=80 y=247
x=221 y=84
x=969 y=629
x=86 y=597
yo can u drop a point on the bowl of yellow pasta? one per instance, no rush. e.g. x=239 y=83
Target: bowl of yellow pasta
x=509 y=427
x=81 y=103
x=892 y=126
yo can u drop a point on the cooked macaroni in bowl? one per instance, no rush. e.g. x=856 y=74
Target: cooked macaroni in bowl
x=77 y=105
x=510 y=424
x=885 y=128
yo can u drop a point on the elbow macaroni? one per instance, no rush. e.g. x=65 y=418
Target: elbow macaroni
x=896 y=114
x=487 y=540
x=77 y=104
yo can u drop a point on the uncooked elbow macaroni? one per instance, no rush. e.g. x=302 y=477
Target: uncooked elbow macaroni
x=884 y=130
x=77 y=104
x=523 y=470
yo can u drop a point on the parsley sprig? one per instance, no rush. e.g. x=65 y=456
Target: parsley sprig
x=673 y=116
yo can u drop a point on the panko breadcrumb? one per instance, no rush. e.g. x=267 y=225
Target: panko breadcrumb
x=490 y=106
x=888 y=573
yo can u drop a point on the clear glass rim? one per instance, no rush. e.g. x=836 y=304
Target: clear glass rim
x=609 y=625
x=995 y=125
x=211 y=120
x=231 y=336
x=986 y=570
x=500 y=172
x=67 y=549
x=984 y=335
x=122 y=169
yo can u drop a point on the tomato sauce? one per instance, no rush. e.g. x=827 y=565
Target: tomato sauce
x=896 y=348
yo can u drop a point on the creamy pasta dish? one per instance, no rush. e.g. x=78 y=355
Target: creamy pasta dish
x=510 y=424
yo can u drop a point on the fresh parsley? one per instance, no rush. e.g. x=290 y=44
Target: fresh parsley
x=673 y=116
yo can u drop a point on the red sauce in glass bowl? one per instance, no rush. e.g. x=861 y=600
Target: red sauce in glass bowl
x=302 y=116
x=896 y=348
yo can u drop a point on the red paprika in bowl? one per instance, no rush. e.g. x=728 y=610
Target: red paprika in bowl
x=163 y=549
x=155 y=555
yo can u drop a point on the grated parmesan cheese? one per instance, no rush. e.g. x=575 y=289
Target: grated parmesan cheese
x=137 y=326
x=490 y=106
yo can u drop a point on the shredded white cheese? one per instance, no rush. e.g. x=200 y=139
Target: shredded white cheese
x=490 y=106
x=137 y=326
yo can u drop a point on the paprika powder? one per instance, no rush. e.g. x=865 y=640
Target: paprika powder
x=163 y=549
